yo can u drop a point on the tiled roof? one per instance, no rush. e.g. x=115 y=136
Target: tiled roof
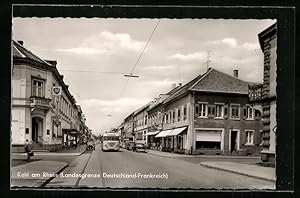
x=219 y=82
x=212 y=81
x=20 y=51
x=182 y=89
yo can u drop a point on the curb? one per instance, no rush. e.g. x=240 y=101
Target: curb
x=237 y=172
x=50 y=178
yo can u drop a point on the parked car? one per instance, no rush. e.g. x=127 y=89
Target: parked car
x=139 y=147
x=129 y=145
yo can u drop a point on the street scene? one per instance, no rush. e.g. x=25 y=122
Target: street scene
x=142 y=103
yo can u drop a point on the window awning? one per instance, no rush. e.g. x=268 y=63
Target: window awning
x=176 y=131
x=164 y=133
x=153 y=133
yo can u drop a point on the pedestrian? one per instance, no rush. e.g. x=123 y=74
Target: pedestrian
x=28 y=150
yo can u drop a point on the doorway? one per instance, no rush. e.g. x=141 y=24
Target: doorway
x=37 y=126
x=234 y=142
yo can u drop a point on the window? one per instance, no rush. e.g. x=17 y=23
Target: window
x=235 y=111
x=249 y=112
x=145 y=119
x=37 y=88
x=196 y=110
x=173 y=119
x=249 y=137
x=203 y=110
x=169 y=117
x=178 y=117
x=219 y=111
x=184 y=113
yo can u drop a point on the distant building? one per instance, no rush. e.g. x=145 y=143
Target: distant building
x=265 y=93
x=140 y=124
x=43 y=109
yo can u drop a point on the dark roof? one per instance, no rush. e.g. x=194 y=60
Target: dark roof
x=219 y=82
x=182 y=90
x=270 y=31
x=20 y=51
x=212 y=81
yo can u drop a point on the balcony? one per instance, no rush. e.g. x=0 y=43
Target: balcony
x=40 y=103
x=255 y=93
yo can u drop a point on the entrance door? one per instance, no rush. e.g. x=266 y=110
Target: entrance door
x=233 y=140
x=37 y=124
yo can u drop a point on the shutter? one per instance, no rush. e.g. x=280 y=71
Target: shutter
x=245 y=112
x=213 y=111
x=257 y=114
x=226 y=111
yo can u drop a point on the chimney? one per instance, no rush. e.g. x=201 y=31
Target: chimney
x=179 y=84
x=52 y=62
x=20 y=42
x=173 y=86
x=236 y=73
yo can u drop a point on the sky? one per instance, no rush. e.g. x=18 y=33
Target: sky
x=93 y=54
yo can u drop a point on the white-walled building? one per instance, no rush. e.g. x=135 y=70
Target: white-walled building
x=37 y=113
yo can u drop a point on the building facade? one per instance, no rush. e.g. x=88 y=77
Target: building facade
x=140 y=128
x=39 y=114
x=211 y=114
x=265 y=94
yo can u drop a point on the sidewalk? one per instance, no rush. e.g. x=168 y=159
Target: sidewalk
x=71 y=152
x=77 y=166
x=256 y=171
x=35 y=174
x=167 y=154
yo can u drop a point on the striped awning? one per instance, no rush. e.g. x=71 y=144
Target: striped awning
x=177 y=131
x=153 y=133
x=164 y=133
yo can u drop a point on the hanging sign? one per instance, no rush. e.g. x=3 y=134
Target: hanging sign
x=56 y=90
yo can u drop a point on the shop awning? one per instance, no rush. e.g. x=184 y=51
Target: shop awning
x=176 y=131
x=164 y=133
x=153 y=133
x=71 y=131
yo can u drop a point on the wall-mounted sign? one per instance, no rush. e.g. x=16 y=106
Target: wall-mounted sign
x=56 y=90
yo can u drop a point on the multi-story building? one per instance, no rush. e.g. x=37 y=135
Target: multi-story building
x=140 y=124
x=39 y=114
x=128 y=128
x=265 y=93
x=156 y=118
x=211 y=114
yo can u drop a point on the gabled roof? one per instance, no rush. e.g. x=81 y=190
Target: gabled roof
x=219 y=82
x=141 y=109
x=182 y=90
x=21 y=52
x=213 y=81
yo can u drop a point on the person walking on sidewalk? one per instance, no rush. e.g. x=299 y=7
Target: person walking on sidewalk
x=28 y=150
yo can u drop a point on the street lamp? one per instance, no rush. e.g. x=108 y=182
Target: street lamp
x=131 y=75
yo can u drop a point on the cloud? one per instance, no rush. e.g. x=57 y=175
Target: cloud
x=82 y=50
x=121 y=102
x=159 y=67
x=230 y=41
x=189 y=57
x=105 y=43
x=250 y=46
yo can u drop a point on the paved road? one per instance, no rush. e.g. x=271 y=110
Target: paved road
x=171 y=173
x=19 y=160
